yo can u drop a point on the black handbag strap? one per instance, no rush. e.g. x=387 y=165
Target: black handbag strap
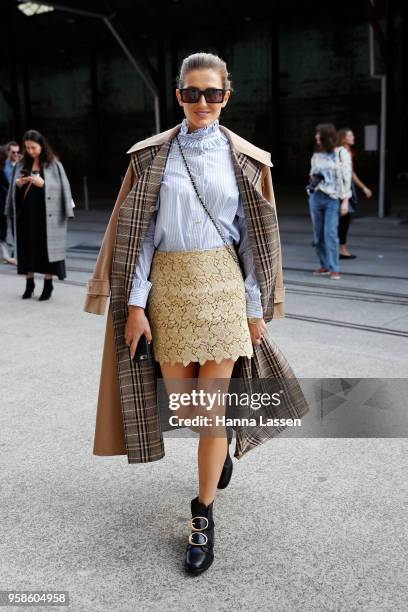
x=227 y=244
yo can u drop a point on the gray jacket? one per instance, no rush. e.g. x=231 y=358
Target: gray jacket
x=58 y=207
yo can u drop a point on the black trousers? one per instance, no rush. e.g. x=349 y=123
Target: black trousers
x=344 y=223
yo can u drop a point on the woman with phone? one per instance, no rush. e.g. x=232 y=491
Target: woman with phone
x=39 y=203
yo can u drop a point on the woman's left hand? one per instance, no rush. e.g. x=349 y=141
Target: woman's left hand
x=257 y=331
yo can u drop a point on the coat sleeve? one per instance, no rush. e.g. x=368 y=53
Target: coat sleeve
x=279 y=295
x=98 y=286
x=66 y=189
x=346 y=172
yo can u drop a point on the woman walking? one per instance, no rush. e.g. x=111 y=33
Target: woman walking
x=167 y=261
x=329 y=193
x=346 y=139
x=39 y=203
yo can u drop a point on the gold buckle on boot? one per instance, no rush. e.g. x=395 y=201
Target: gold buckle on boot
x=197 y=533
x=192 y=526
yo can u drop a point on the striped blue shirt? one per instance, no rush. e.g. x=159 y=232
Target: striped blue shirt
x=180 y=223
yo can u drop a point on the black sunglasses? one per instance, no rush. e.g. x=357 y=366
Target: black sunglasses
x=193 y=94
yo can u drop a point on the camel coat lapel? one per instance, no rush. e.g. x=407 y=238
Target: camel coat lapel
x=127 y=420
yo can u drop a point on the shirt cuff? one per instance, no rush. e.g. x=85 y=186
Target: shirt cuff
x=253 y=304
x=139 y=293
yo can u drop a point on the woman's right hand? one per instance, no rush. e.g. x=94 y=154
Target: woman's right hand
x=136 y=325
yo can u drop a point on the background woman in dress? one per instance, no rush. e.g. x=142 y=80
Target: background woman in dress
x=38 y=203
x=330 y=175
x=346 y=139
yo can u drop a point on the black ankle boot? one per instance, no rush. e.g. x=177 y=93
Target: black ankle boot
x=200 y=549
x=47 y=290
x=228 y=465
x=30 y=284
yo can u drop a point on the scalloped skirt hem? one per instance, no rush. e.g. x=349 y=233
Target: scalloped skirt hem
x=200 y=359
x=197 y=308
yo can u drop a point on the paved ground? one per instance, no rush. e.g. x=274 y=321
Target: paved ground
x=306 y=524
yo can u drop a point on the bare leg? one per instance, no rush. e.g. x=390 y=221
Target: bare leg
x=178 y=370
x=212 y=450
x=30 y=275
x=343 y=250
x=174 y=375
x=48 y=276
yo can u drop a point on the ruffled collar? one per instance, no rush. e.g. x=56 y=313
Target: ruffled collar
x=208 y=137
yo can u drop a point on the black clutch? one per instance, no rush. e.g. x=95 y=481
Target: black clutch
x=143 y=350
x=315 y=179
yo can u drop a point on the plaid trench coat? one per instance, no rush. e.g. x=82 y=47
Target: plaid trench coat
x=127 y=420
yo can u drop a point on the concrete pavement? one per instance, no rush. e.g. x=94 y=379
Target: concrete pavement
x=305 y=525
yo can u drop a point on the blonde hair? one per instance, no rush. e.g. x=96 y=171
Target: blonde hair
x=204 y=61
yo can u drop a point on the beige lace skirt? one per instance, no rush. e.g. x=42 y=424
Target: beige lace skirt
x=196 y=307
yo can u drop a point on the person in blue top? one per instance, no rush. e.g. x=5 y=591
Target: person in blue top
x=13 y=156
x=10 y=156
x=4 y=185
